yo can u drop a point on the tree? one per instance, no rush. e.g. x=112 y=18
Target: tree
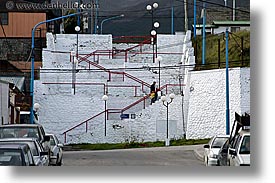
x=70 y=23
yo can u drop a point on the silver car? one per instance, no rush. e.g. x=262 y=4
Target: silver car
x=39 y=155
x=211 y=149
x=56 y=156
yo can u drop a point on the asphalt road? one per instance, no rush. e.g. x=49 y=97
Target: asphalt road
x=159 y=156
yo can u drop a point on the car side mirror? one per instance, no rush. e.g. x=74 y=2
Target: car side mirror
x=60 y=145
x=206 y=146
x=47 y=138
x=43 y=153
x=232 y=152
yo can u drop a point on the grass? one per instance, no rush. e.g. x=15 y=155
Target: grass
x=107 y=146
x=238 y=50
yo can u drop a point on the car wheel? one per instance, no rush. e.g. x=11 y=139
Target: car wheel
x=59 y=163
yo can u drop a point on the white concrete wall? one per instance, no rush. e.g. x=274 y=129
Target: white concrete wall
x=205 y=100
x=61 y=110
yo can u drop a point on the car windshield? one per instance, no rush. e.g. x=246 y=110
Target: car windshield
x=10 y=157
x=19 y=132
x=245 y=146
x=218 y=142
x=31 y=144
x=33 y=148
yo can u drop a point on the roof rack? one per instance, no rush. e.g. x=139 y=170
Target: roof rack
x=241 y=122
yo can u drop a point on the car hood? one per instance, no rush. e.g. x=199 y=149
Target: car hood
x=215 y=150
x=245 y=159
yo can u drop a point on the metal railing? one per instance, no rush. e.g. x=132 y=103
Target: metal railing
x=143 y=101
x=124 y=74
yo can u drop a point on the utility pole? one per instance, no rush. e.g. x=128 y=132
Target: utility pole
x=185 y=16
x=203 y=34
x=234 y=12
x=92 y=15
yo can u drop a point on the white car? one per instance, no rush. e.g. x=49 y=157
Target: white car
x=56 y=156
x=40 y=156
x=239 y=150
x=211 y=149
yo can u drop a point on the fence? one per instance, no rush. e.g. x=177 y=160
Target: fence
x=238 y=54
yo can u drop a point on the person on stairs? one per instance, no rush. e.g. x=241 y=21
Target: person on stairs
x=153 y=92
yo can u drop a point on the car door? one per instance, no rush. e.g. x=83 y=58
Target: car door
x=232 y=151
x=223 y=154
x=44 y=157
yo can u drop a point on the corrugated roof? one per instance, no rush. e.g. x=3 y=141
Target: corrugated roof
x=17 y=81
x=231 y=23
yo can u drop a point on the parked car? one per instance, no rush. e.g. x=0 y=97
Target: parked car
x=56 y=150
x=16 y=155
x=223 y=154
x=239 y=150
x=39 y=155
x=26 y=131
x=212 y=148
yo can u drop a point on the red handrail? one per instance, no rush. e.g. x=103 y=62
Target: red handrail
x=114 y=72
x=86 y=121
x=130 y=39
x=120 y=110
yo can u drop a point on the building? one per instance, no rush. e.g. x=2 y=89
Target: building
x=17 y=20
x=10 y=89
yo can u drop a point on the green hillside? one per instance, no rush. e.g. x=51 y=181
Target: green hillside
x=238 y=50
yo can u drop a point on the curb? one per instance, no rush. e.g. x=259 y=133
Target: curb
x=198 y=155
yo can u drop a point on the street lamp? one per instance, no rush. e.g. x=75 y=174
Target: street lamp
x=74 y=62
x=32 y=56
x=159 y=59
x=227 y=85
x=151 y=9
x=153 y=35
x=156 y=26
x=166 y=104
x=36 y=107
x=110 y=18
x=105 y=98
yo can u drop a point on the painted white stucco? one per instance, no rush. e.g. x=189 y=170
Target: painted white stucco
x=199 y=113
x=205 y=104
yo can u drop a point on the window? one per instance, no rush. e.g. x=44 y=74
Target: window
x=245 y=146
x=4 y=18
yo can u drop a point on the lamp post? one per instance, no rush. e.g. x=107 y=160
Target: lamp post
x=105 y=98
x=107 y=19
x=36 y=107
x=153 y=35
x=74 y=62
x=32 y=56
x=227 y=85
x=203 y=34
x=96 y=15
x=156 y=26
x=166 y=104
x=159 y=59
x=151 y=9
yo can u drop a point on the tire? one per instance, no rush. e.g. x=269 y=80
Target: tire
x=60 y=162
x=206 y=162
